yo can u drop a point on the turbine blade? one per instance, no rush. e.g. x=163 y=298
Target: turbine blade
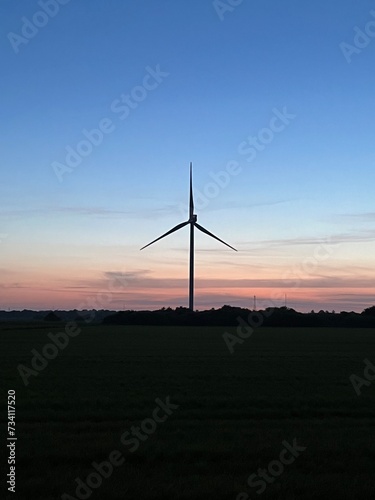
x=191 y=191
x=176 y=228
x=201 y=228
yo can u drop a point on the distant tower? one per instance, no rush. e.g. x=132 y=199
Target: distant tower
x=255 y=302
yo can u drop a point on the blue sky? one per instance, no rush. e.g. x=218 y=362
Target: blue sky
x=223 y=77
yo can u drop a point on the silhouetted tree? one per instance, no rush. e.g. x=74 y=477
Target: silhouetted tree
x=370 y=311
x=51 y=316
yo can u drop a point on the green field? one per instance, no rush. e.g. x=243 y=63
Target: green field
x=234 y=412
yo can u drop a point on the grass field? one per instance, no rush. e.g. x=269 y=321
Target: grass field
x=234 y=413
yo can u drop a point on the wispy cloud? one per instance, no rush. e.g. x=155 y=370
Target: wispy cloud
x=365 y=216
x=94 y=211
x=143 y=281
x=23 y=213
x=336 y=239
x=14 y=285
x=242 y=205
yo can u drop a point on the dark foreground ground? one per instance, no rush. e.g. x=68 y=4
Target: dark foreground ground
x=235 y=413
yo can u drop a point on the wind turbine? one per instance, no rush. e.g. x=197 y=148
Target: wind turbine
x=193 y=223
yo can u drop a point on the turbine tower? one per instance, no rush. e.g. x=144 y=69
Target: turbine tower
x=193 y=223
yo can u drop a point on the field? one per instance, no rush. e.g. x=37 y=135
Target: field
x=235 y=413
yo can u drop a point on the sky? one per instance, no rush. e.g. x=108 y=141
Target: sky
x=105 y=104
